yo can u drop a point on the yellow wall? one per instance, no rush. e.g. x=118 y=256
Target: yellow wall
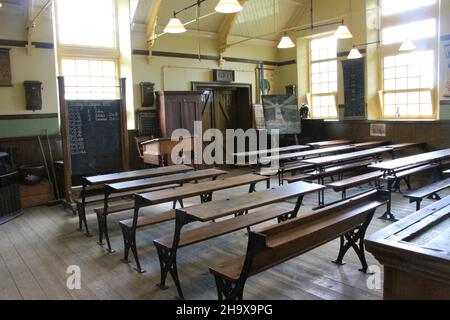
x=40 y=66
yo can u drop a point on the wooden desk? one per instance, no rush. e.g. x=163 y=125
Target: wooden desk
x=395 y=165
x=392 y=168
x=270 y=151
x=205 y=190
x=415 y=253
x=122 y=187
x=310 y=153
x=158 y=151
x=326 y=144
x=234 y=205
x=370 y=144
x=320 y=163
x=101 y=180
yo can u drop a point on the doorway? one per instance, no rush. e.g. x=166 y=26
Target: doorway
x=226 y=106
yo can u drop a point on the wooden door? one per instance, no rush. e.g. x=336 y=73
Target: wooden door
x=225 y=110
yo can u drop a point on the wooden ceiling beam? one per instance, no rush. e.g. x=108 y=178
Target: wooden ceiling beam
x=152 y=23
x=226 y=29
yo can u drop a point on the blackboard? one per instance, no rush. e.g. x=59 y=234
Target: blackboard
x=95 y=136
x=354 y=88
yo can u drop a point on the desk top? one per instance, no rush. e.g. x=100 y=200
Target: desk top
x=412 y=160
x=346 y=157
x=198 y=189
x=221 y=208
x=447 y=172
x=402 y=146
x=268 y=151
x=422 y=238
x=310 y=153
x=139 y=174
x=323 y=144
x=165 y=180
x=370 y=144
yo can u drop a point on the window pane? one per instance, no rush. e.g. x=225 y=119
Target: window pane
x=396 y=6
x=86 y=79
x=410 y=104
x=86 y=22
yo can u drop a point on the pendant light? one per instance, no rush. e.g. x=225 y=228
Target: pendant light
x=286 y=42
x=407 y=45
x=228 y=6
x=354 y=54
x=343 y=32
x=174 y=26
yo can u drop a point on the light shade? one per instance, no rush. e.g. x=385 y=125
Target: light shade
x=228 y=6
x=286 y=43
x=354 y=54
x=407 y=45
x=174 y=26
x=343 y=33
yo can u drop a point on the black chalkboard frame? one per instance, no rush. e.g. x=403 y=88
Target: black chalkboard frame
x=349 y=71
x=71 y=190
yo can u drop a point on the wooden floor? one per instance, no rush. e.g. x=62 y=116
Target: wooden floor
x=37 y=248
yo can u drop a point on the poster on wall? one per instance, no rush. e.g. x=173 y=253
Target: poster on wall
x=281 y=113
x=378 y=130
x=446 y=69
x=5 y=68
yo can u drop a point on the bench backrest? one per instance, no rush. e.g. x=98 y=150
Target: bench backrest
x=279 y=243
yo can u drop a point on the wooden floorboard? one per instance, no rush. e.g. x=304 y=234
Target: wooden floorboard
x=37 y=248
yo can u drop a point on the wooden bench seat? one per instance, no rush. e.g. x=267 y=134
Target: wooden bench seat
x=217 y=229
x=405 y=174
x=432 y=189
x=338 y=169
x=344 y=185
x=149 y=220
x=277 y=244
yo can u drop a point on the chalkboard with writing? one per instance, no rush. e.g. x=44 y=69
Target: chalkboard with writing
x=95 y=136
x=354 y=88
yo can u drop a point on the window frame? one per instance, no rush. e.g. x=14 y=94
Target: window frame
x=88 y=52
x=63 y=46
x=426 y=44
x=334 y=94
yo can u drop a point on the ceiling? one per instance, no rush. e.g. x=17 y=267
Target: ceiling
x=262 y=19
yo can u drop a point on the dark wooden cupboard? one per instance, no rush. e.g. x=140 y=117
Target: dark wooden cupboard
x=178 y=110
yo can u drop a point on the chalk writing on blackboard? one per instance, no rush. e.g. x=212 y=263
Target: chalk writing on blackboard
x=354 y=88
x=95 y=136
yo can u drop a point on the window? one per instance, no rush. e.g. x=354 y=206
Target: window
x=413 y=31
x=90 y=79
x=408 y=84
x=409 y=79
x=86 y=23
x=86 y=29
x=323 y=77
x=397 y=6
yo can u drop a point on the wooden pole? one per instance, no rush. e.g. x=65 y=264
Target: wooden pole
x=124 y=125
x=65 y=140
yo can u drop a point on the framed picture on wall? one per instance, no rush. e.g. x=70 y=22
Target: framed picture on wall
x=5 y=68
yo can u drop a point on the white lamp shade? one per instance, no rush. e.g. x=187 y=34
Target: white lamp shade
x=174 y=26
x=343 y=33
x=228 y=6
x=407 y=45
x=286 y=43
x=354 y=54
